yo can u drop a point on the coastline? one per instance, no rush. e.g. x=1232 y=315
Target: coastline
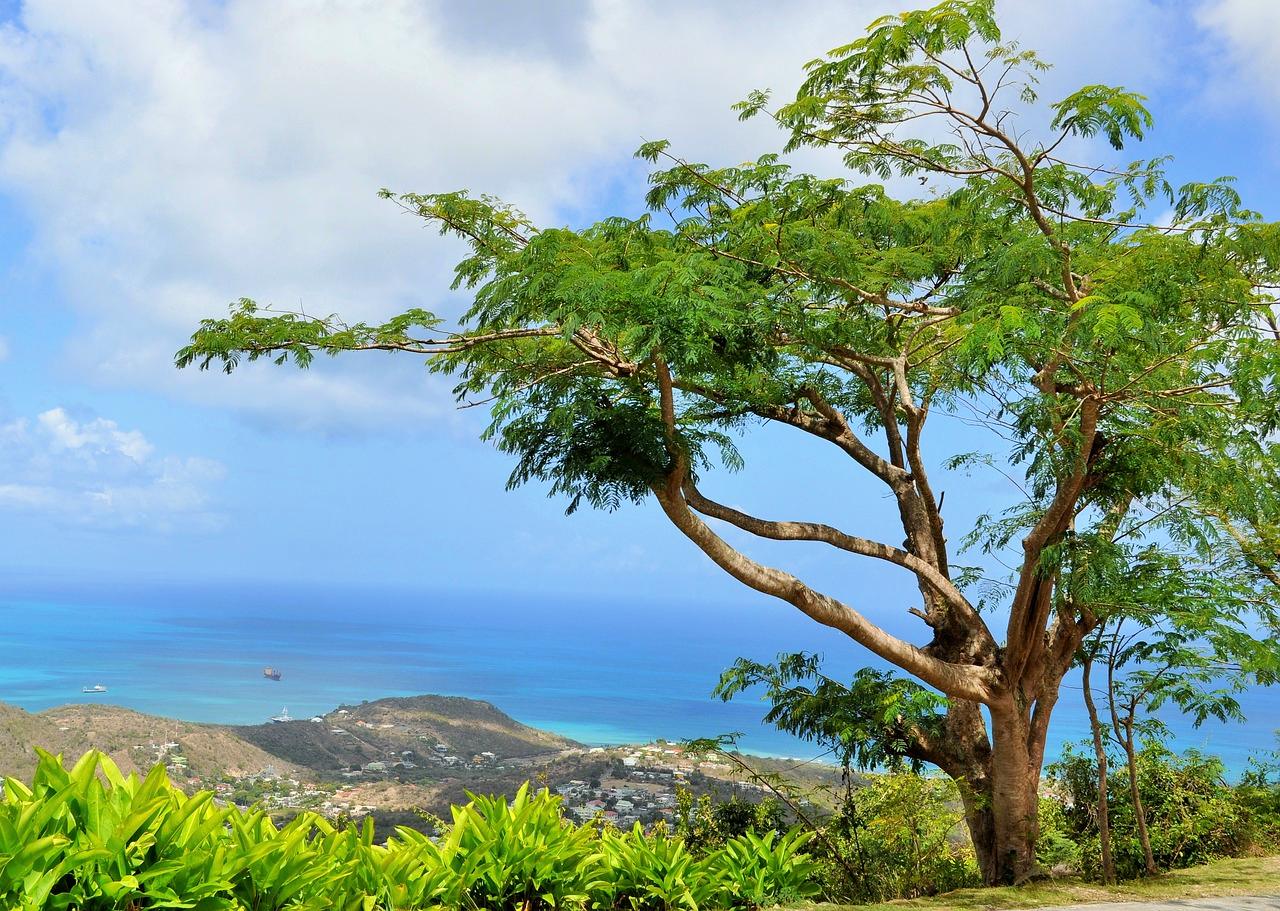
x=199 y=657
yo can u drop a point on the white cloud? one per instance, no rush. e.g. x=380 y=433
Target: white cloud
x=93 y=473
x=1248 y=33
x=96 y=437
x=176 y=156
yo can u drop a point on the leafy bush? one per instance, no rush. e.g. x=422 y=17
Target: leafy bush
x=92 y=839
x=901 y=835
x=653 y=873
x=1259 y=794
x=753 y=870
x=706 y=824
x=1192 y=814
x=519 y=854
x=1058 y=847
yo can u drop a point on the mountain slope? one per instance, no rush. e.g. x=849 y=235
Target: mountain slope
x=133 y=740
x=388 y=730
x=400 y=728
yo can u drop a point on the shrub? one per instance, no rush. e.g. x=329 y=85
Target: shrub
x=1259 y=794
x=1058 y=847
x=900 y=835
x=706 y=824
x=652 y=873
x=92 y=839
x=1193 y=815
x=754 y=870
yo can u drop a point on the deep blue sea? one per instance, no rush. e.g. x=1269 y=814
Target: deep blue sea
x=601 y=671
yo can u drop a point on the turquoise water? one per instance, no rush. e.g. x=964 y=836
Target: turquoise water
x=599 y=671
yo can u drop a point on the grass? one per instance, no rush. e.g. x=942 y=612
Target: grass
x=1240 y=876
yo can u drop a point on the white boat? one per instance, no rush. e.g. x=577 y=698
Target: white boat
x=282 y=717
x=95 y=689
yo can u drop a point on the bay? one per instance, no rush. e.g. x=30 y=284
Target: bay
x=602 y=671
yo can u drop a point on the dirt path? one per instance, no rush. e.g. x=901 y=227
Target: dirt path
x=1231 y=903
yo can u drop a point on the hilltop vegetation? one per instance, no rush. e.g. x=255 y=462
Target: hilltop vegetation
x=380 y=732
x=134 y=741
x=94 y=838
x=1107 y=339
x=410 y=728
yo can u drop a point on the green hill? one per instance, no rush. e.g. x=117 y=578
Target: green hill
x=416 y=729
x=133 y=740
x=406 y=730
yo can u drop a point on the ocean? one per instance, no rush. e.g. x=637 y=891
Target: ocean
x=602 y=671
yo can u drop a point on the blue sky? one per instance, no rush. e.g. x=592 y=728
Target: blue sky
x=160 y=159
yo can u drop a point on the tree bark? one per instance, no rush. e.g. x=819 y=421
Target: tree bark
x=1015 y=796
x=1139 y=813
x=1100 y=752
x=1123 y=729
x=999 y=785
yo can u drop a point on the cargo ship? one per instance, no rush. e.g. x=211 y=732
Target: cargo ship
x=271 y=673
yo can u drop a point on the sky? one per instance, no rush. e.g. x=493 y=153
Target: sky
x=160 y=159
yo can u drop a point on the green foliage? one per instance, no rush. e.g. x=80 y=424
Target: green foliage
x=1058 y=847
x=1193 y=815
x=898 y=835
x=871 y=721
x=1259 y=793
x=1123 y=362
x=765 y=280
x=654 y=873
x=706 y=824
x=754 y=870
x=92 y=839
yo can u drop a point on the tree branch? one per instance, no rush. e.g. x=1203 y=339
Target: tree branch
x=826 y=534
x=963 y=681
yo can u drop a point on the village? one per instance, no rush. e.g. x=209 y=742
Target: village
x=618 y=786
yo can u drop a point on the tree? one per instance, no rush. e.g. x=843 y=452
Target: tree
x=1025 y=293
x=1100 y=757
x=1197 y=660
x=1180 y=625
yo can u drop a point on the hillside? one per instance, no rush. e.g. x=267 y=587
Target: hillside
x=134 y=740
x=387 y=757
x=427 y=729
x=422 y=731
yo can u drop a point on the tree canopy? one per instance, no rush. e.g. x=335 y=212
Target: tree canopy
x=1113 y=335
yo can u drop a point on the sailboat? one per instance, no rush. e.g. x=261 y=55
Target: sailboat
x=282 y=717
